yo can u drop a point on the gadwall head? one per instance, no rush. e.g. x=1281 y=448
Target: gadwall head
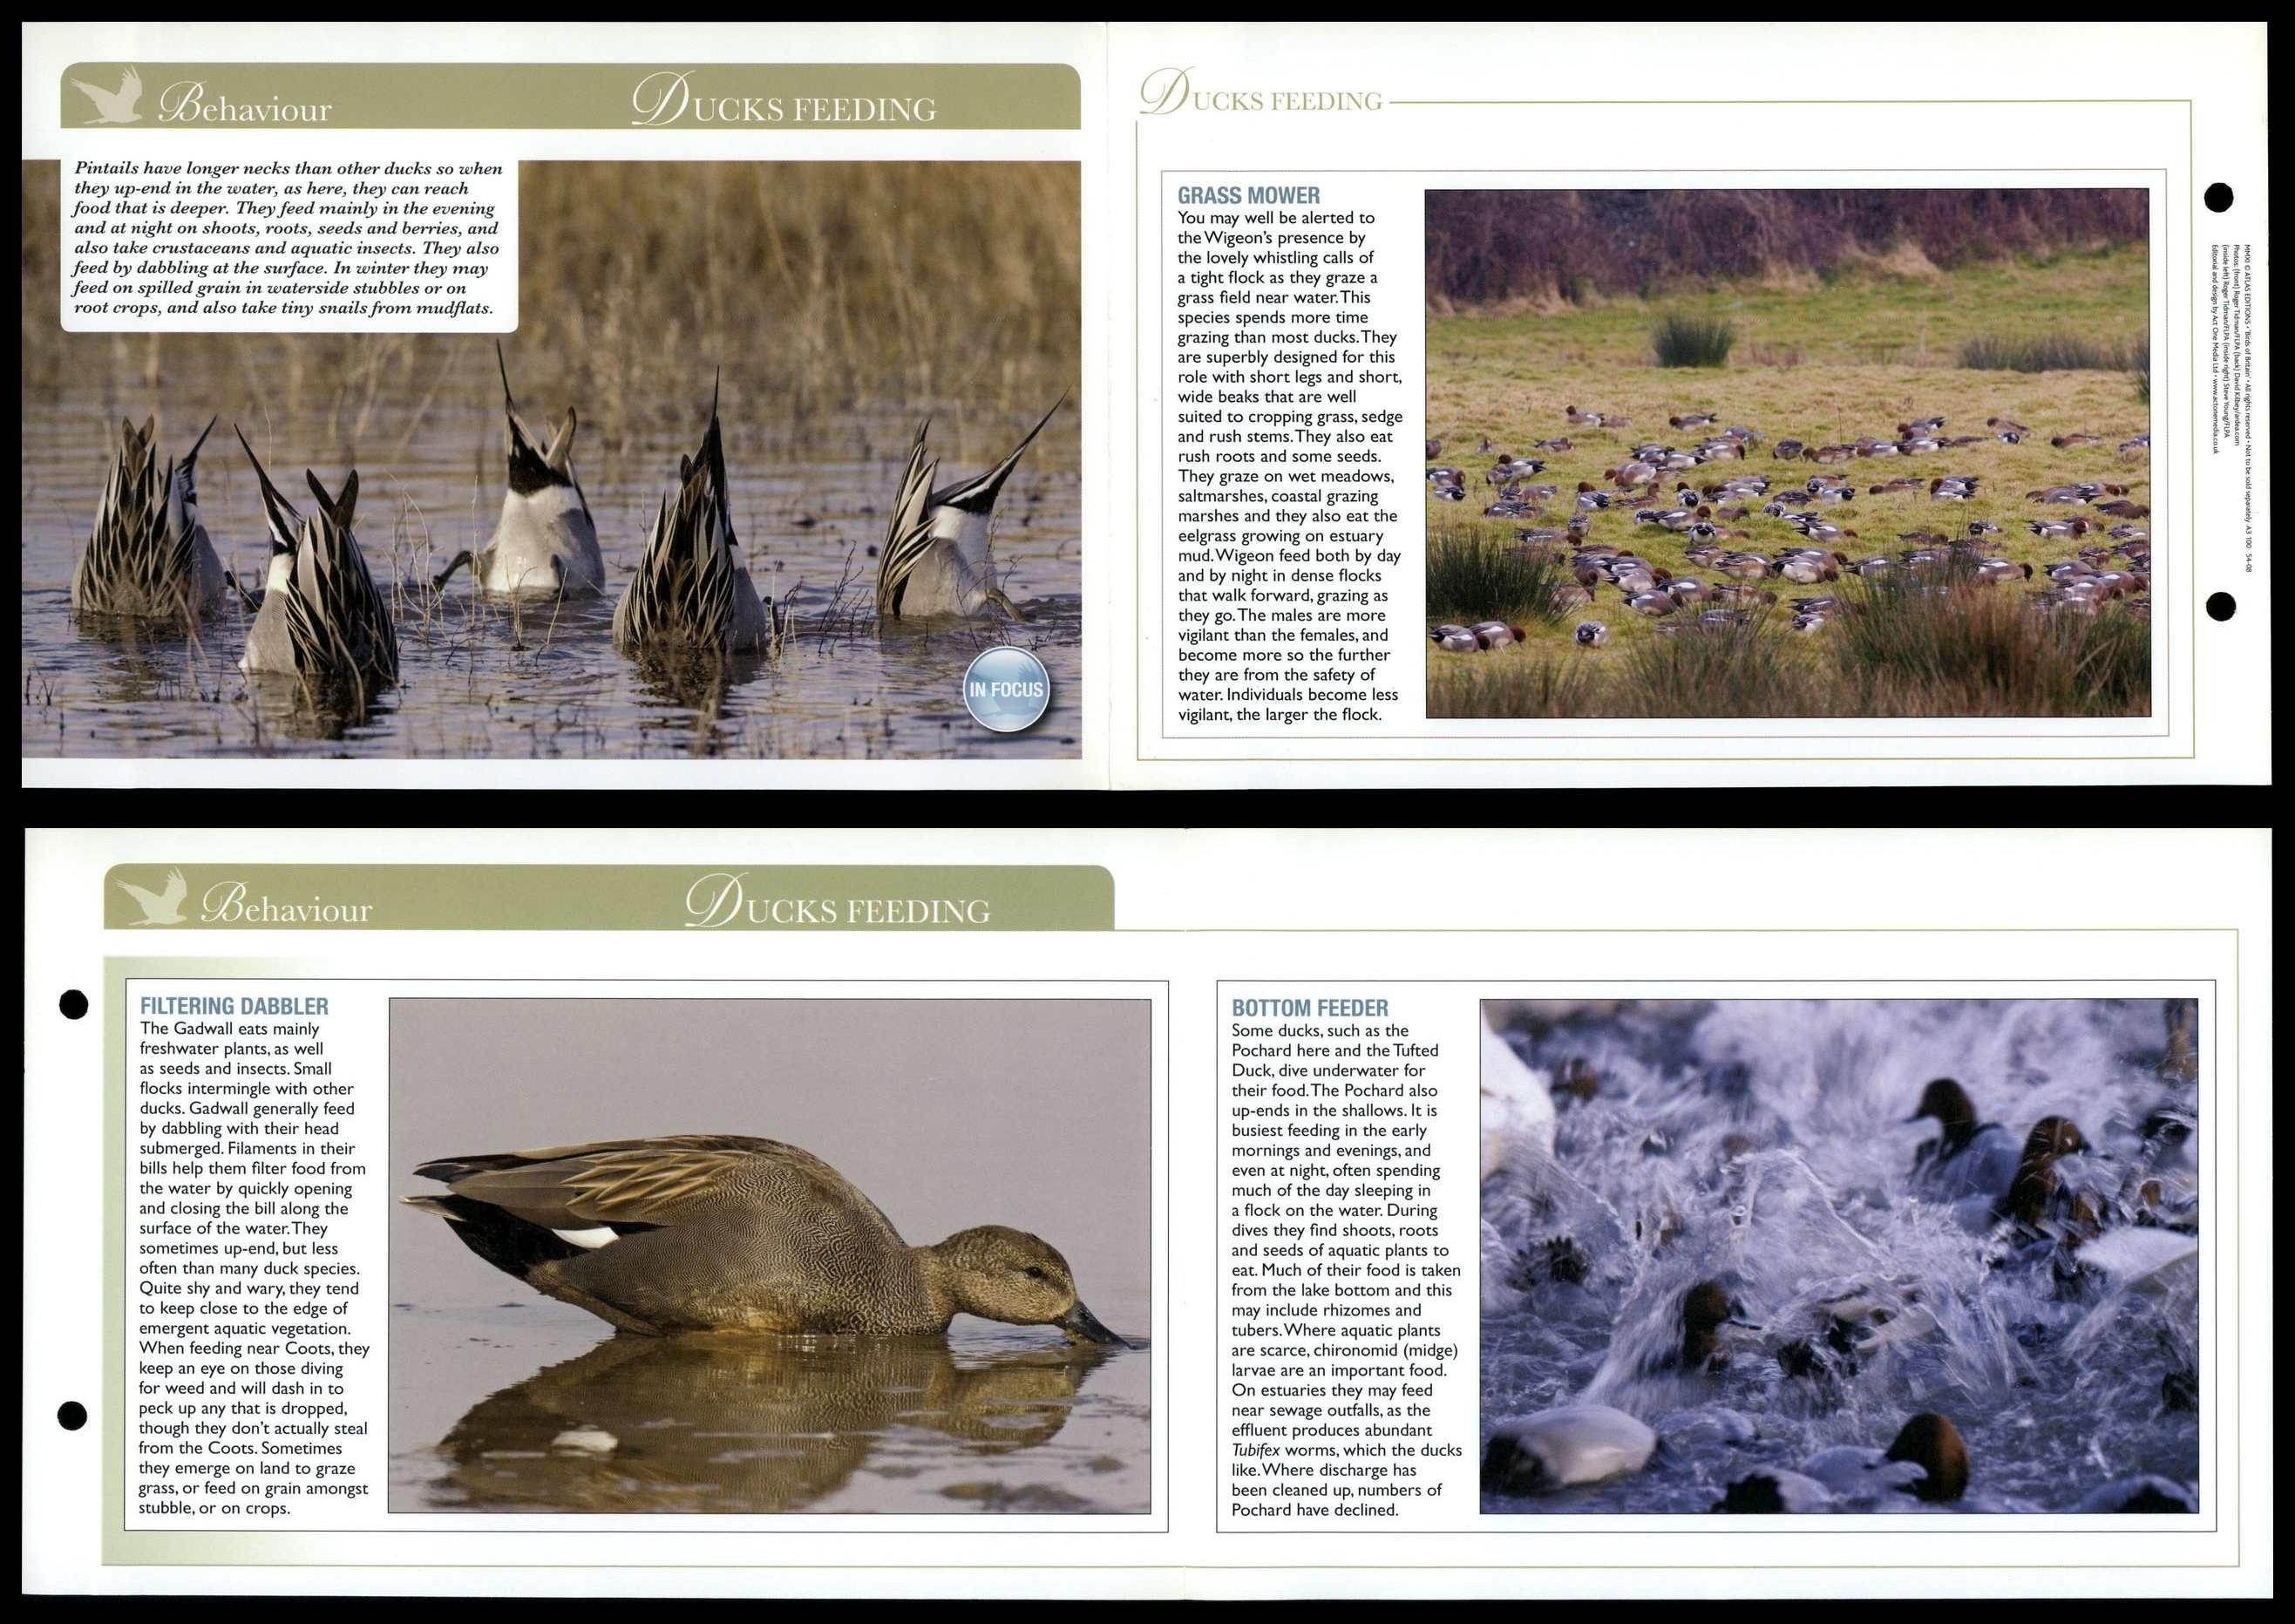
x=1018 y=1278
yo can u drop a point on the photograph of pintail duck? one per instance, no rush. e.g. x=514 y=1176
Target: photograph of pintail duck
x=726 y=1232
x=322 y=619
x=937 y=557
x=148 y=556
x=692 y=594
x=1927 y=1460
x=545 y=543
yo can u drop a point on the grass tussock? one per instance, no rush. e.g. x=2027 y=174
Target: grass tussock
x=1986 y=651
x=1900 y=651
x=1682 y=339
x=1468 y=581
x=2058 y=352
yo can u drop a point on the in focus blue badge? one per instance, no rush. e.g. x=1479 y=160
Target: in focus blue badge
x=1006 y=690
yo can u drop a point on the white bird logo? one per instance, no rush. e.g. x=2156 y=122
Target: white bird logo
x=115 y=106
x=167 y=908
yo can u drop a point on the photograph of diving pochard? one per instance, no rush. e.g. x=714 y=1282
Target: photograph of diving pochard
x=748 y=1256
x=763 y=468
x=1858 y=1256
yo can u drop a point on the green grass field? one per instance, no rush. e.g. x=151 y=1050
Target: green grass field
x=1823 y=360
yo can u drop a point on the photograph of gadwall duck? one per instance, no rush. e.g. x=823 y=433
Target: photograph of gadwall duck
x=577 y=564
x=1839 y=1255
x=721 y=1232
x=1541 y=301
x=927 y=1290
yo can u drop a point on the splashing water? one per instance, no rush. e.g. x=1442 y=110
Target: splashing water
x=1763 y=1145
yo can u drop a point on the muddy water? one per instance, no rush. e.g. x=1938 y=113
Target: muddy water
x=810 y=500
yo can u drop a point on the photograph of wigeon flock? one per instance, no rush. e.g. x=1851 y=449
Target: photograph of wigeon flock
x=762 y=469
x=1850 y=1256
x=1794 y=453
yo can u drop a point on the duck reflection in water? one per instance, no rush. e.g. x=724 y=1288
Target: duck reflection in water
x=747 y=1424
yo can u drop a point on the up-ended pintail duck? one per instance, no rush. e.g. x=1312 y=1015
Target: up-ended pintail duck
x=321 y=618
x=544 y=543
x=935 y=559
x=148 y=555
x=692 y=592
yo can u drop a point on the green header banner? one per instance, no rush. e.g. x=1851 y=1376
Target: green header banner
x=733 y=896
x=573 y=95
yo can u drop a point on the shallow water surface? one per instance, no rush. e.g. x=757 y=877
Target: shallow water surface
x=1762 y=1143
x=481 y=680
x=526 y=1408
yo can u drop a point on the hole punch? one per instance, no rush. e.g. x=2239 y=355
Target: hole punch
x=2217 y=197
x=73 y=1003
x=71 y=1415
x=2222 y=605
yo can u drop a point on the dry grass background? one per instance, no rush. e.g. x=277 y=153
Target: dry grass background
x=822 y=289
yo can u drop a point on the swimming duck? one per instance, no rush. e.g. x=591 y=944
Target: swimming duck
x=722 y=1232
x=148 y=555
x=322 y=618
x=1928 y=1459
x=2139 y=1494
x=692 y=590
x=1562 y=1447
x=936 y=557
x=1969 y=1157
x=544 y=543
x=2036 y=1191
x=1710 y=1316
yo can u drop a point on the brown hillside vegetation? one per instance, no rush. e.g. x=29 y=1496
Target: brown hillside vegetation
x=1484 y=247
